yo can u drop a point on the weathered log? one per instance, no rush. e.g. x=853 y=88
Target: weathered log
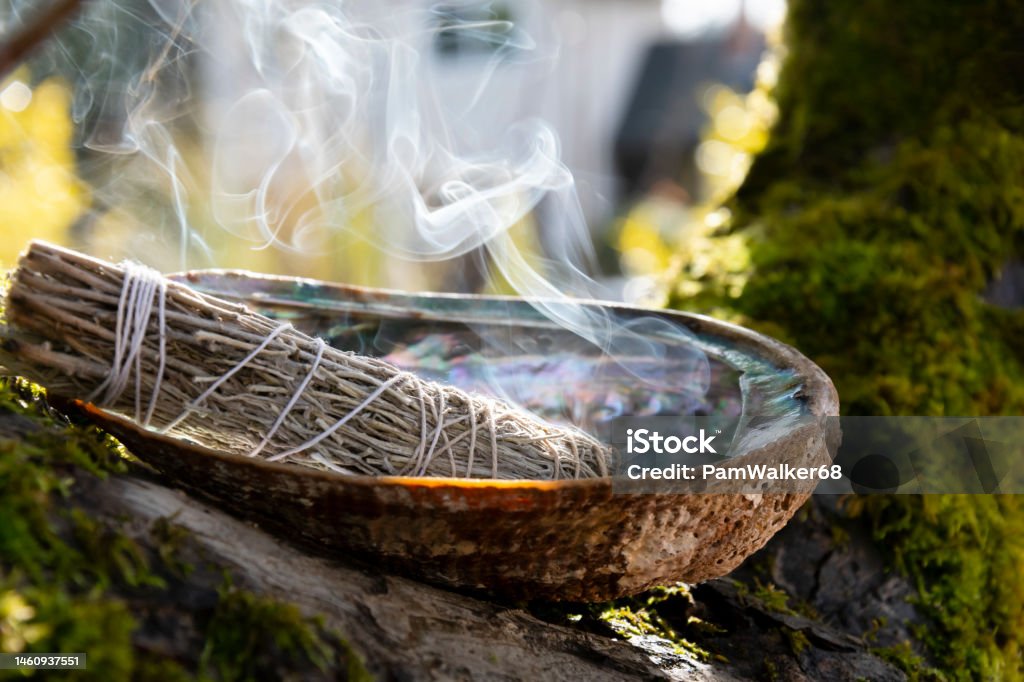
x=403 y=629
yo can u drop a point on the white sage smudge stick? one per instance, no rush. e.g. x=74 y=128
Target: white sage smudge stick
x=215 y=372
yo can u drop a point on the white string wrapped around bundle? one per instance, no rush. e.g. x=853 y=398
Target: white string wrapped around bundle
x=217 y=373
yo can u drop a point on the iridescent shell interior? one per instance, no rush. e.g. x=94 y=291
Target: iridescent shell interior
x=507 y=348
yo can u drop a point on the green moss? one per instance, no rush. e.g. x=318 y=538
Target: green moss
x=58 y=585
x=876 y=626
x=703 y=627
x=840 y=536
x=658 y=613
x=886 y=199
x=250 y=636
x=69 y=583
x=964 y=555
x=151 y=669
x=772 y=597
x=169 y=538
x=90 y=623
x=798 y=642
x=903 y=657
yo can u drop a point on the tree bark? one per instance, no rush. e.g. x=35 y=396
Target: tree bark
x=878 y=232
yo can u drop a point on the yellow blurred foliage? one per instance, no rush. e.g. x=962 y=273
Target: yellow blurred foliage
x=40 y=194
x=642 y=247
x=737 y=130
x=16 y=627
x=659 y=242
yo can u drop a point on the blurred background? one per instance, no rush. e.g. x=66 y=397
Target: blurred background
x=139 y=132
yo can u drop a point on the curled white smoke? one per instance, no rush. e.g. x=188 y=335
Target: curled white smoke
x=315 y=115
